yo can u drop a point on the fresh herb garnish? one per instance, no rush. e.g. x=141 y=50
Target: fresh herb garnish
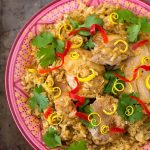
x=74 y=23
x=51 y=138
x=46 y=56
x=39 y=100
x=145 y=26
x=43 y=40
x=111 y=78
x=48 y=45
x=136 y=24
x=133 y=32
x=89 y=44
x=125 y=101
x=79 y=145
x=126 y=16
x=90 y=20
x=85 y=108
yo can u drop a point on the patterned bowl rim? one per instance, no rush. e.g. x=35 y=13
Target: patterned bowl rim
x=7 y=67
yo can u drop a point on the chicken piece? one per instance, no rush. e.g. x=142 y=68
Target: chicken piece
x=81 y=67
x=106 y=103
x=64 y=101
x=138 y=85
x=109 y=54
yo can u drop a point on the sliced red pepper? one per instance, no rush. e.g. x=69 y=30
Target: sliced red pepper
x=76 y=31
x=139 y=44
x=75 y=90
x=135 y=73
x=117 y=130
x=67 y=48
x=48 y=112
x=142 y=104
x=92 y=30
x=101 y=30
x=42 y=71
x=82 y=116
x=80 y=100
x=73 y=95
x=61 y=55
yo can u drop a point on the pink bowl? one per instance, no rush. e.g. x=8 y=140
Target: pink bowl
x=19 y=58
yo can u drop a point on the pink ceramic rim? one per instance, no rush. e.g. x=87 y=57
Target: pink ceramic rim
x=16 y=116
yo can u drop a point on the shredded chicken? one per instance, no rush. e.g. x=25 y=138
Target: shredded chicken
x=108 y=54
x=105 y=102
x=138 y=85
x=82 y=68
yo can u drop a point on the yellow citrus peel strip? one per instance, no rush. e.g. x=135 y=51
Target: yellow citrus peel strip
x=77 y=42
x=74 y=55
x=114 y=88
x=54 y=119
x=112 y=112
x=89 y=78
x=104 y=129
x=145 y=60
x=93 y=121
x=58 y=91
x=147 y=82
x=67 y=27
x=31 y=70
x=113 y=17
x=129 y=111
x=125 y=43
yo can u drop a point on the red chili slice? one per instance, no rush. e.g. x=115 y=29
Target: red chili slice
x=93 y=31
x=142 y=104
x=82 y=116
x=75 y=90
x=48 y=112
x=135 y=73
x=117 y=130
x=139 y=44
x=67 y=48
x=101 y=30
x=42 y=71
x=72 y=94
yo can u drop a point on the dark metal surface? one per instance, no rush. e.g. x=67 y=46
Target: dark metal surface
x=13 y=15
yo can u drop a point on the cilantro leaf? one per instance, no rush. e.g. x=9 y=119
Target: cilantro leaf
x=111 y=79
x=89 y=44
x=145 y=26
x=74 y=23
x=38 y=100
x=46 y=56
x=32 y=103
x=51 y=138
x=84 y=33
x=43 y=39
x=60 y=46
x=126 y=16
x=136 y=24
x=133 y=32
x=48 y=45
x=79 y=145
x=90 y=20
x=124 y=101
x=93 y=19
x=42 y=101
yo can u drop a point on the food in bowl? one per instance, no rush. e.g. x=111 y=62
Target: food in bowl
x=89 y=80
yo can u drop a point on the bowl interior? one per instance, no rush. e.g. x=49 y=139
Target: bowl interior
x=20 y=58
